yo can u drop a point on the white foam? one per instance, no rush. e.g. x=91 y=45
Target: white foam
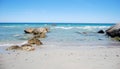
x=65 y=27
x=93 y=27
x=25 y=42
x=16 y=35
x=82 y=27
x=10 y=44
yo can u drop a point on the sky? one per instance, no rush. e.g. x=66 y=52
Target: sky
x=73 y=11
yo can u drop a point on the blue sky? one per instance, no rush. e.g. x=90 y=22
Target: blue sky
x=97 y=11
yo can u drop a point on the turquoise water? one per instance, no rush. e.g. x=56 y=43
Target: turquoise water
x=61 y=34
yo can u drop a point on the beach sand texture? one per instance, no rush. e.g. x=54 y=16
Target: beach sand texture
x=63 y=58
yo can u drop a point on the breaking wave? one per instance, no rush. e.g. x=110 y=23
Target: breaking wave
x=10 y=44
x=82 y=27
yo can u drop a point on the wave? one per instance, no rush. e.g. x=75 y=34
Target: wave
x=10 y=44
x=83 y=27
x=64 y=27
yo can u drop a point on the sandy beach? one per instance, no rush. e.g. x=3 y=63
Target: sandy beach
x=59 y=34
x=63 y=58
x=59 y=48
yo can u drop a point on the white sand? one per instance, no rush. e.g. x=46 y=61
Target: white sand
x=63 y=58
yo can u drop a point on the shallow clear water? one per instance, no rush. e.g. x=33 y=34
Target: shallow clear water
x=61 y=34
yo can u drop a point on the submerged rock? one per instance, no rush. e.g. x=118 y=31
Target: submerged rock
x=35 y=41
x=84 y=32
x=101 y=32
x=114 y=31
x=116 y=38
x=25 y=37
x=81 y=32
x=100 y=39
x=78 y=32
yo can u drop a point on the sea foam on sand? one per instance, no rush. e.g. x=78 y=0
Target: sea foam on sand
x=63 y=58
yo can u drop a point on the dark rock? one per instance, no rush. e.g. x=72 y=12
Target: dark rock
x=101 y=32
x=81 y=32
x=114 y=31
x=99 y=39
x=84 y=32
x=29 y=30
x=78 y=32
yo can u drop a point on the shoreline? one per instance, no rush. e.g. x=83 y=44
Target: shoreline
x=63 y=49
x=54 y=47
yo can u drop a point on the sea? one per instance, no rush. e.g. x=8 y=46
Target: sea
x=60 y=34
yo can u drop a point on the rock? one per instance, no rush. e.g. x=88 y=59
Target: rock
x=35 y=41
x=116 y=38
x=78 y=32
x=81 y=32
x=36 y=31
x=27 y=47
x=14 y=47
x=101 y=32
x=40 y=30
x=84 y=32
x=114 y=31
x=99 y=39
x=41 y=35
x=29 y=30
x=47 y=29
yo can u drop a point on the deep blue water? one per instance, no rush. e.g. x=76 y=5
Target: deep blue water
x=60 y=24
x=62 y=34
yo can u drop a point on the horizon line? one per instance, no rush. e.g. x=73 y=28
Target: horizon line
x=60 y=22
